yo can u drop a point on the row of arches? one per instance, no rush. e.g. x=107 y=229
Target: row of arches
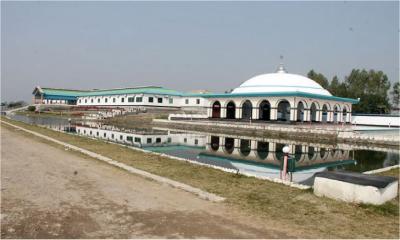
x=263 y=149
x=283 y=111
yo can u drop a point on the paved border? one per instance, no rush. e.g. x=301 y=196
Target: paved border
x=382 y=169
x=202 y=194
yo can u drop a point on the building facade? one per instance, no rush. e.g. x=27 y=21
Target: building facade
x=278 y=96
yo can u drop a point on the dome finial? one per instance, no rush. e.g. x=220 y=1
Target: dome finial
x=281 y=68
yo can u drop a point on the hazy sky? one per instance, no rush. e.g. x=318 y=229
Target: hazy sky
x=189 y=45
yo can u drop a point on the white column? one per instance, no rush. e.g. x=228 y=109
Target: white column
x=223 y=112
x=274 y=113
x=254 y=113
x=307 y=115
x=209 y=112
x=238 y=113
x=293 y=114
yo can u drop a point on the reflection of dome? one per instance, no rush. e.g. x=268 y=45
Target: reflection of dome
x=280 y=82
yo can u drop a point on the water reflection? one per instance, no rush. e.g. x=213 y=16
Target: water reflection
x=256 y=156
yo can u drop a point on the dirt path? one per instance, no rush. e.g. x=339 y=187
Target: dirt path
x=51 y=193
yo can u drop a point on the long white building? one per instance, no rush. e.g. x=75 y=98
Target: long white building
x=278 y=96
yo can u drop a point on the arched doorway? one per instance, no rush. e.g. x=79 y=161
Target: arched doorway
x=216 y=110
x=262 y=150
x=311 y=153
x=335 y=114
x=313 y=112
x=247 y=109
x=245 y=147
x=230 y=110
x=344 y=117
x=229 y=145
x=300 y=112
x=298 y=152
x=324 y=113
x=265 y=111
x=214 y=143
x=284 y=111
x=322 y=153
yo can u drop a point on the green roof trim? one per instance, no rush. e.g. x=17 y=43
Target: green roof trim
x=104 y=92
x=164 y=91
x=148 y=90
x=277 y=94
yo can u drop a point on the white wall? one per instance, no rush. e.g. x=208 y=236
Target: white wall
x=377 y=120
x=177 y=101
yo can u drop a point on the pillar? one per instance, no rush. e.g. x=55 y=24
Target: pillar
x=255 y=113
x=274 y=113
x=238 y=113
x=223 y=112
x=293 y=114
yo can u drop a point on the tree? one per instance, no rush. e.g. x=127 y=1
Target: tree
x=334 y=86
x=371 y=87
x=396 y=94
x=319 y=78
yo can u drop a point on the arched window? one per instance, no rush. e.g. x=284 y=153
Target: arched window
x=230 y=110
x=313 y=112
x=311 y=153
x=324 y=113
x=344 y=117
x=214 y=143
x=335 y=114
x=245 y=147
x=262 y=150
x=284 y=111
x=216 y=110
x=300 y=112
x=265 y=110
x=229 y=145
x=247 y=109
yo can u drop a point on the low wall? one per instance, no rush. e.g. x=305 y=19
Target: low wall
x=376 y=120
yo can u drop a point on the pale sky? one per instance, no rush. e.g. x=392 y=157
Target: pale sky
x=189 y=45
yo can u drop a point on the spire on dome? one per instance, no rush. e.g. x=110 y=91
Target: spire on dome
x=281 y=69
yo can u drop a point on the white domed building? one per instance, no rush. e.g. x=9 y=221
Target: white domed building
x=280 y=96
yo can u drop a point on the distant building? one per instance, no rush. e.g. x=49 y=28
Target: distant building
x=278 y=96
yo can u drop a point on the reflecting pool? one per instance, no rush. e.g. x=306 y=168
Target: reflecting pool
x=256 y=156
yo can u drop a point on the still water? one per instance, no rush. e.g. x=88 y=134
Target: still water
x=255 y=156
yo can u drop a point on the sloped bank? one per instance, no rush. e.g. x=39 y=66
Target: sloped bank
x=329 y=135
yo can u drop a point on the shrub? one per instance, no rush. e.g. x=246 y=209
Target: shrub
x=31 y=108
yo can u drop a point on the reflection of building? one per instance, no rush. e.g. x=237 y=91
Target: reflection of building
x=305 y=157
x=276 y=96
x=261 y=158
x=141 y=139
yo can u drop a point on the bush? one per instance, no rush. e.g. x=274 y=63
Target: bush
x=31 y=108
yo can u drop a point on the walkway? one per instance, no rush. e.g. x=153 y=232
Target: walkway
x=48 y=192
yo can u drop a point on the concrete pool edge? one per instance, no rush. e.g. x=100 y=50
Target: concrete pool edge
x=379 y=170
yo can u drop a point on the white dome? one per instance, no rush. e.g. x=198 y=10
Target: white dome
x=280 y=82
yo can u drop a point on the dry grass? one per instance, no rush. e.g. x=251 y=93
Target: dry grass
x=300 y=211
x=391 y=173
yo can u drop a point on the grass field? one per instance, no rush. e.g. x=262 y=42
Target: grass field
x=298 y=210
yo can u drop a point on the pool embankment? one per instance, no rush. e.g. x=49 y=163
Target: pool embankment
x=299 y=210
x=317 y=133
